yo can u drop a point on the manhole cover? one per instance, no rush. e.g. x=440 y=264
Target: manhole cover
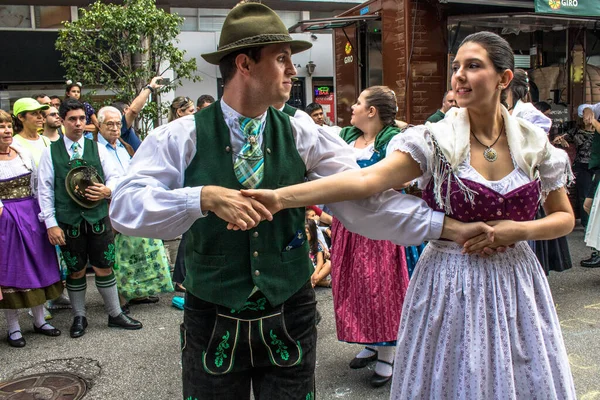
x=48 y=386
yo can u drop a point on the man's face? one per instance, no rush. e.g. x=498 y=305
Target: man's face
x=52 y=119
x=44 y=100
x=55 y=103
x=74 y=123
x=272 y=75
x=203 y=105
x=318 y=117
x=110 y=128
x=449 y=102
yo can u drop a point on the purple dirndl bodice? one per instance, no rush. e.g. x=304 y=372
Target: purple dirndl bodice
x=520 y=204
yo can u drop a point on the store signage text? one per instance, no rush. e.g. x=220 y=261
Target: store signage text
x=569 y=7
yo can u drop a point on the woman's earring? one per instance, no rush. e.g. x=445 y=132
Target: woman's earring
x=500 y=87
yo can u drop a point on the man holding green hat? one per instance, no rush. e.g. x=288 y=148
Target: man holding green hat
x=250 y=309
x=75 y=179
x=28 y=120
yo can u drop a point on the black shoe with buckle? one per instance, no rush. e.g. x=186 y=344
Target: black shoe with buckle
x=124 y=321
x=48 y=332
x=358 y=363
x=380 y=380
x=592 y=262
x=78 y=327
x=20 y=342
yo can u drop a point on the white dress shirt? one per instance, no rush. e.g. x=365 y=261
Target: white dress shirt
x=118 y=154
x=150 y=201
x=46 y=178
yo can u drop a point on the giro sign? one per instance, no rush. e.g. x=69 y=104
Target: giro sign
x=585 y=8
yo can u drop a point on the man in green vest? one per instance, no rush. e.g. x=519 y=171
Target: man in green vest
x=77 y=219
x=249 y=318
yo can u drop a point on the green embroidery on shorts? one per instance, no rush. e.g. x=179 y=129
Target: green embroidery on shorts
x=281 y=348
x=259 y=305
x=310 y=396
x=71 y=261
x=220 y=354
x=190 y=398
x=110 y=254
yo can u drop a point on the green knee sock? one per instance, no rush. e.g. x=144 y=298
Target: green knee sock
x=76 y=288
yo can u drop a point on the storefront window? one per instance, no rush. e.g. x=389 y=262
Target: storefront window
x=18 y=17
x=211 y=19
x=51 y=17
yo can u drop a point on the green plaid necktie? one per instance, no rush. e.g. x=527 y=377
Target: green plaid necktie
x=249 y=164
x=76 y=151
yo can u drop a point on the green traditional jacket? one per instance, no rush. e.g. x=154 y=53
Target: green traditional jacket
x=66 y=210
x=223 y=266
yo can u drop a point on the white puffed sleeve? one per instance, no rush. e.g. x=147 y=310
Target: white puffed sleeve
x=417 y=142
x=555 y=171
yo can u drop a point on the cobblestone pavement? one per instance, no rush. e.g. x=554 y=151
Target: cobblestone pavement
x=145 y=364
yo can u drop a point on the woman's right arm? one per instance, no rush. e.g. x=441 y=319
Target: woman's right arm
x=397 y=168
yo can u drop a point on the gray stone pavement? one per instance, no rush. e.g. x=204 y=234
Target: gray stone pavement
x=145 y=364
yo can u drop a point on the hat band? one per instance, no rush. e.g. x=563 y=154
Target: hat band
x=258 y=39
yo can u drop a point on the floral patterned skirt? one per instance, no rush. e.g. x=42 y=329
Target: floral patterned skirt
x=141 y=267
x=480 y=328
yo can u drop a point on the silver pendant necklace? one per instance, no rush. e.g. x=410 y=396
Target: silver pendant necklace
x=489 y=153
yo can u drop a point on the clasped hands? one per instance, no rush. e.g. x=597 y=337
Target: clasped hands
x=245 y=209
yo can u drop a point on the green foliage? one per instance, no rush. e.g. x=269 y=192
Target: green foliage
x=121 y=47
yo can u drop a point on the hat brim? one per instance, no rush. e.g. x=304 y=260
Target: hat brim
x=82 y=202
x=215 y=58
x=42 y=107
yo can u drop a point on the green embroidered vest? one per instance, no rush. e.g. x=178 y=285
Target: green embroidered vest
x=224 y=266
x=66 y=210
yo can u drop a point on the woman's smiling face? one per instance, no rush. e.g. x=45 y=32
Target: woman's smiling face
x=474 y=78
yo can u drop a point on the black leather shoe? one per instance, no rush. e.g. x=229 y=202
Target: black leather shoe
x=592 y=262
x=20 y=342
x=124 y=321
x=47 y=332
x=78 y=327
x=358 y=363
x=379 y=380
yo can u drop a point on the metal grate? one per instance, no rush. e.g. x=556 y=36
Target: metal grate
x=47 y=386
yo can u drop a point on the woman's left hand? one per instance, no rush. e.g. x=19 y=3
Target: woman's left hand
x=506 y=234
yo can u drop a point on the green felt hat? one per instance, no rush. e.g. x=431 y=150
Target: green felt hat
x=79 y=178
x=252 y=25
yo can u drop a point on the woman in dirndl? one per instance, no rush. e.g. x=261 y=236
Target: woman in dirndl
x=472 y=327
x=29 y=273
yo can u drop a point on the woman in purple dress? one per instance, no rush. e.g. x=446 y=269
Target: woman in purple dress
x=28 y=267
x=473 y=327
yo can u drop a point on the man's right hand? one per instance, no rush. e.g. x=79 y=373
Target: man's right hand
x=56 y=236
x=460 y=232
x=231 y=206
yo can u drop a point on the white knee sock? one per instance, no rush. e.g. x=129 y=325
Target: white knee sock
x=384 y=353
x=366 y=352
x=12 y=320
x=39 y=318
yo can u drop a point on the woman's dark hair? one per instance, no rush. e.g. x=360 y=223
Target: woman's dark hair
x=498 y=49
x=384 y=100
x=17 y=124
x=542 y=106
x=179 y=103
x=227 y=64
x=69 y=105
x=519 y=88
x=313 y=243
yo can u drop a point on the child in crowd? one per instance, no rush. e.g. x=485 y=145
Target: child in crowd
x=318 y=256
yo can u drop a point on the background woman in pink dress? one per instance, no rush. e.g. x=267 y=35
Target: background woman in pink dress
x=369 y=277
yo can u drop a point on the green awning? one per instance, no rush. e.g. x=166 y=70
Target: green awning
x=583 y=8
